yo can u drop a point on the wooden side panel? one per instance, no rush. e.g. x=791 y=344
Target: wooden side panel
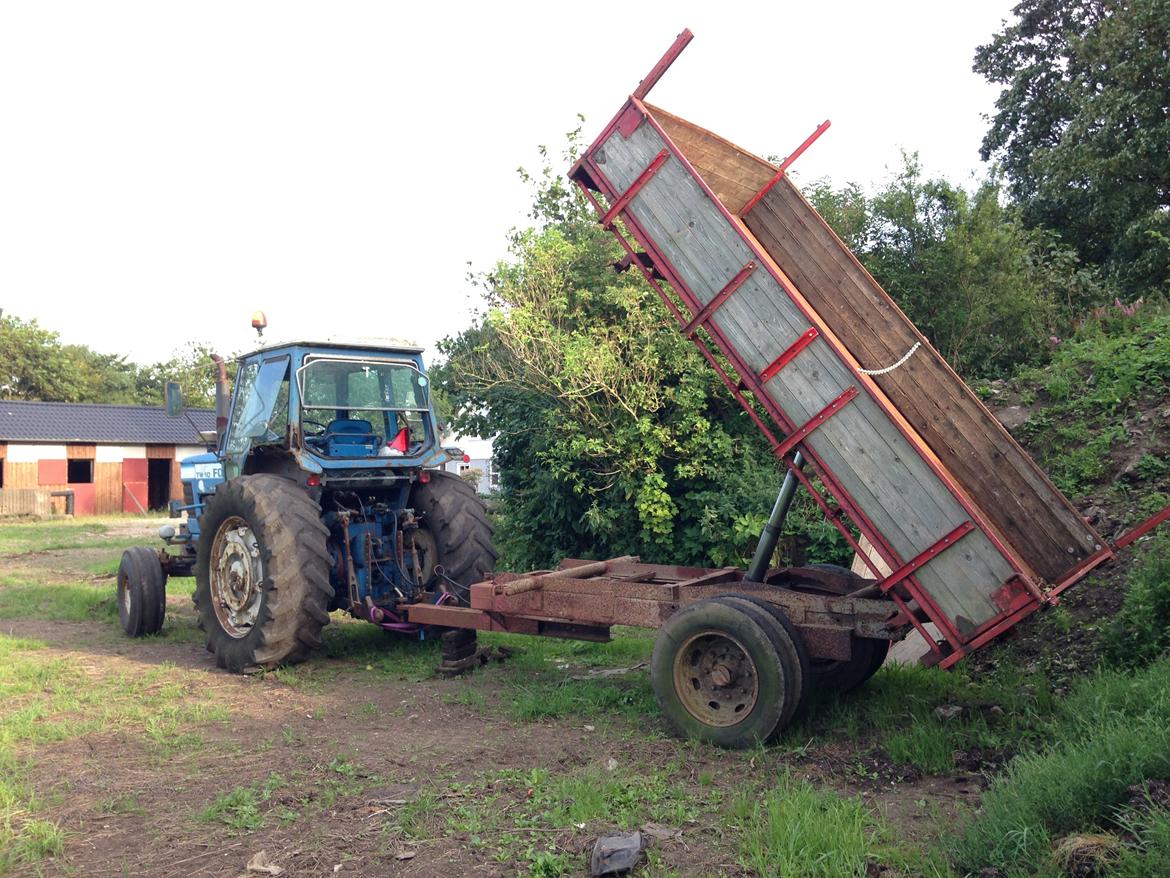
x=107 y=478
x=886 y=476
x=24 y=501
x=1002 y=480
x=733 y=174
x=160 y=452
x=80 y=451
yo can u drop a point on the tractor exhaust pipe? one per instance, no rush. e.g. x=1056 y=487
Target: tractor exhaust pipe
x=771 y=533
x=222 y=397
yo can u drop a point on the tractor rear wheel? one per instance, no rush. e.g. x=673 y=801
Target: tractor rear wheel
x=142 y=592
x=454 y=531
x=262 y=573
x=717 y=675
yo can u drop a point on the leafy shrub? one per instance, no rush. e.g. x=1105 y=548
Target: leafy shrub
x=1140 y=633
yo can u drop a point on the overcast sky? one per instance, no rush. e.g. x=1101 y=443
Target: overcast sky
x=167 y=168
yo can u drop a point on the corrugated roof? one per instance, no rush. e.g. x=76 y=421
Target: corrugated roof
x=22 y=421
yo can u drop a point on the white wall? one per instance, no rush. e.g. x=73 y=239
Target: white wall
x=118 y=453
x=31 y=453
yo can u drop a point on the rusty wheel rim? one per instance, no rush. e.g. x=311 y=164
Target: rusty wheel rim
x=716 y=679
x=237 y=577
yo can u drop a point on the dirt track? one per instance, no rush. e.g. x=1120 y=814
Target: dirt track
x=385 y=773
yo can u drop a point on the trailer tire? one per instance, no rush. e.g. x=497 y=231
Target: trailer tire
x=793 y=655
x=456 y=520
x=270 y=608
x=868 y=653
x=702 y=655
x=142 y=592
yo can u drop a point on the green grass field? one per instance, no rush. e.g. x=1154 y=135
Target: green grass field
x=555 y=752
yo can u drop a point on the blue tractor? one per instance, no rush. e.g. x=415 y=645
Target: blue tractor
x=322 y=493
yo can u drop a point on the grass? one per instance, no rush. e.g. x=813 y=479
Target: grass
x=1112 y=733
x=896 y=711
x=60 y=535
x=47 y=701
x=798 y=831
x=241 y=809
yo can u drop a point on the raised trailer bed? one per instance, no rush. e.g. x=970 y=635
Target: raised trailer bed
x=958 y=526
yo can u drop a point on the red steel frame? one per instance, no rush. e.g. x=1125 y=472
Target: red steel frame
x=1025 y=601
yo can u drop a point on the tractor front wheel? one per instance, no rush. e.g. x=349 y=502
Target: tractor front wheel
x=262 y=573
x=142 y=592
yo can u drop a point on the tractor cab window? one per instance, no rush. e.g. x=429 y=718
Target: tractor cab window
x=259 y=417
x=360 y=408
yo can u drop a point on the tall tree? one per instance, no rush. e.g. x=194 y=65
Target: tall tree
x=1082 y=125
x=988 y=292
x=613 y=436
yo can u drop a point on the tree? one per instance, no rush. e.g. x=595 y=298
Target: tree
x=613 y=435
x=35 y=365
x=988 y=292
x=1082 y=125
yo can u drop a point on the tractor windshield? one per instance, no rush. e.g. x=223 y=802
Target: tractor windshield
x=260 y=413
x=362 y=385
x=362 y=408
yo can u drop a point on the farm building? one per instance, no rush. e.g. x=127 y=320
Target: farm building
x=114 y=458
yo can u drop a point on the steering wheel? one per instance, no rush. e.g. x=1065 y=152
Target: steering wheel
x=318 y=424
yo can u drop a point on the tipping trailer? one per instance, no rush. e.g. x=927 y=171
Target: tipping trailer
x=963 y=535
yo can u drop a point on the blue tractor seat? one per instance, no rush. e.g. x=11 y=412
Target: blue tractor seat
x=350 y=437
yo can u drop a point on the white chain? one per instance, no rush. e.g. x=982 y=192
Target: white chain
x=909 y=354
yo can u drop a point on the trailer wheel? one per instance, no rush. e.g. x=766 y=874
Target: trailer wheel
x=454 y=532
x=717 y=675
x=790 y=647
x=262 y=573
x=869 y=654
x=142 y=592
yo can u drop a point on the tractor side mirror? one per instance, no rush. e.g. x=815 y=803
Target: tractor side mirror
x=174 y=399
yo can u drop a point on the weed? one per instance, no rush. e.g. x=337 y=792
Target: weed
x=798 y=831
x=1113 y=732
x=1140 y=632
x=125 y=804
x=240 y=809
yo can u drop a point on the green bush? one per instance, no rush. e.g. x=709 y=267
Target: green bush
x=1140 y=632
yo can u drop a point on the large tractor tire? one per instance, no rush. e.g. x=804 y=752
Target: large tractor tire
x=142 y=592
x=262 y=573
x=456 y=534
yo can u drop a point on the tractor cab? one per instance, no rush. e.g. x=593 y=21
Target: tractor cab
x=337 y=413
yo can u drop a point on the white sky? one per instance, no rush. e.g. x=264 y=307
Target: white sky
x=166 y=168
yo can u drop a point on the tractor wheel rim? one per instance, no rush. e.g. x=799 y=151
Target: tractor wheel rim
x=237 y=577
x=125 y=594
x=716 y=679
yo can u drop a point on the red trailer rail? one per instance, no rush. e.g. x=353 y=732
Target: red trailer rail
x=957 y=525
